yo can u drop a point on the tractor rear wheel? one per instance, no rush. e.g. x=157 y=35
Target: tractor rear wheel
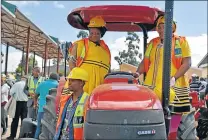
x=187 y=129
x=48 y=123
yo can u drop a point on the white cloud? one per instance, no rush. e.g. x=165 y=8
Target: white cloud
x=58 y=5
x=28 y=14
x=119 y=45
x=24 y=3
x=198 y=45
x=62 y=41
x=14 y=59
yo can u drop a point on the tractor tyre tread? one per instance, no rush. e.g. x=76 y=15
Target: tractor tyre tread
x=186 y=129
x=49 y=118
x=202 y=129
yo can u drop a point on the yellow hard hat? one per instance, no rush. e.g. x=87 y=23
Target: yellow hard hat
x=161 y=19
x=79 y=74
x=96 y=22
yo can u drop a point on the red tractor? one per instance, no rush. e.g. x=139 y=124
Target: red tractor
x=120 y=108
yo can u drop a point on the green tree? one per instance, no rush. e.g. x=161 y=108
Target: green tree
x=132 y=54
x=82 y=34
x=22 y=64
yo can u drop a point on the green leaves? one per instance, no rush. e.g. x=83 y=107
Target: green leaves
x=132 y=54
x=82 y=34
x=22 y=64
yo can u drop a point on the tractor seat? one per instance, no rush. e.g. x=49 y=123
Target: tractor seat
x=120 y=77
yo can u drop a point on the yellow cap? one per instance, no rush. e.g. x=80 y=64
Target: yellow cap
x=79 y=74
x=96 y=22
x=161 y=20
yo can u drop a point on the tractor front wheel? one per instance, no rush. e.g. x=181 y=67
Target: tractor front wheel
x=48 y=123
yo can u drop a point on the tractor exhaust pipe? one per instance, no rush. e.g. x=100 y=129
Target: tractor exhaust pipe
x=167 y=62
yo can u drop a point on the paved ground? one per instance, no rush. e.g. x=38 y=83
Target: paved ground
x=9 y=128
x=18 y=130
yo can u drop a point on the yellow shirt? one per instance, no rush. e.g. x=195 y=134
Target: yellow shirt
x=155 y=72
x=96 y=63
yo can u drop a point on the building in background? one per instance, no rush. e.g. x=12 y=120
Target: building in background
x=203 y=64
x=54 y=69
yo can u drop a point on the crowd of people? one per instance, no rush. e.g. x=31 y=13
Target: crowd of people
x=24 y=98
x=88 y=69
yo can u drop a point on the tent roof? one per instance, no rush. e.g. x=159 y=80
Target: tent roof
x=14 y=30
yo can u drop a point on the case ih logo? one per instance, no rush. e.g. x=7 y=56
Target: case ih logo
x=146 y=132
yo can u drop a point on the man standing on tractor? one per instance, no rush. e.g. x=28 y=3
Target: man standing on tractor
x=72 y=107
x=92 y=54
x=30 y=87
x=152 y=65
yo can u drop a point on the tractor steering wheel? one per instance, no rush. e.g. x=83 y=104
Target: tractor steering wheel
x=119 y=73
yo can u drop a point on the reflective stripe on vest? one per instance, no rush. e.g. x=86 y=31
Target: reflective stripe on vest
x=85 y=49
x=176 y=53
x=78 y=119
x=31 y=84
x=79 y=113
x=146 y=57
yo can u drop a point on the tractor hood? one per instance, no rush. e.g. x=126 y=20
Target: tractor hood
x=123 y=97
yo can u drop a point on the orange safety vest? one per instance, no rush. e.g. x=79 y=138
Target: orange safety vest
x=176 y=51
x=85 y=49
x=79 y=113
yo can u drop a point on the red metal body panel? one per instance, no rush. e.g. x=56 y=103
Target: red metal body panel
x=206 y=98
x=196 y=103
x=123 y=97
x=174 y=123
x=195 y=100
x=117 y=17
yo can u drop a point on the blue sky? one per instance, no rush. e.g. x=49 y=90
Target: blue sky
x=51 y=16
x=191 y=16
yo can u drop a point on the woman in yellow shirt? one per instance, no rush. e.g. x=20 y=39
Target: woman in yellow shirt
x=152 y=64
x=92 y=54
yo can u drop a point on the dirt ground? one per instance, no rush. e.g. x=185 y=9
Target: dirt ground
x=9 y=128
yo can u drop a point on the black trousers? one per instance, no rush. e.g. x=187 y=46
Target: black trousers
x=3 y=118
x=21 y=111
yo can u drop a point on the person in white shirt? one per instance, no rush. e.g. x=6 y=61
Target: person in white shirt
x=4 y=90
x=17 y=92
x=4 y=99
x=203 y=85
